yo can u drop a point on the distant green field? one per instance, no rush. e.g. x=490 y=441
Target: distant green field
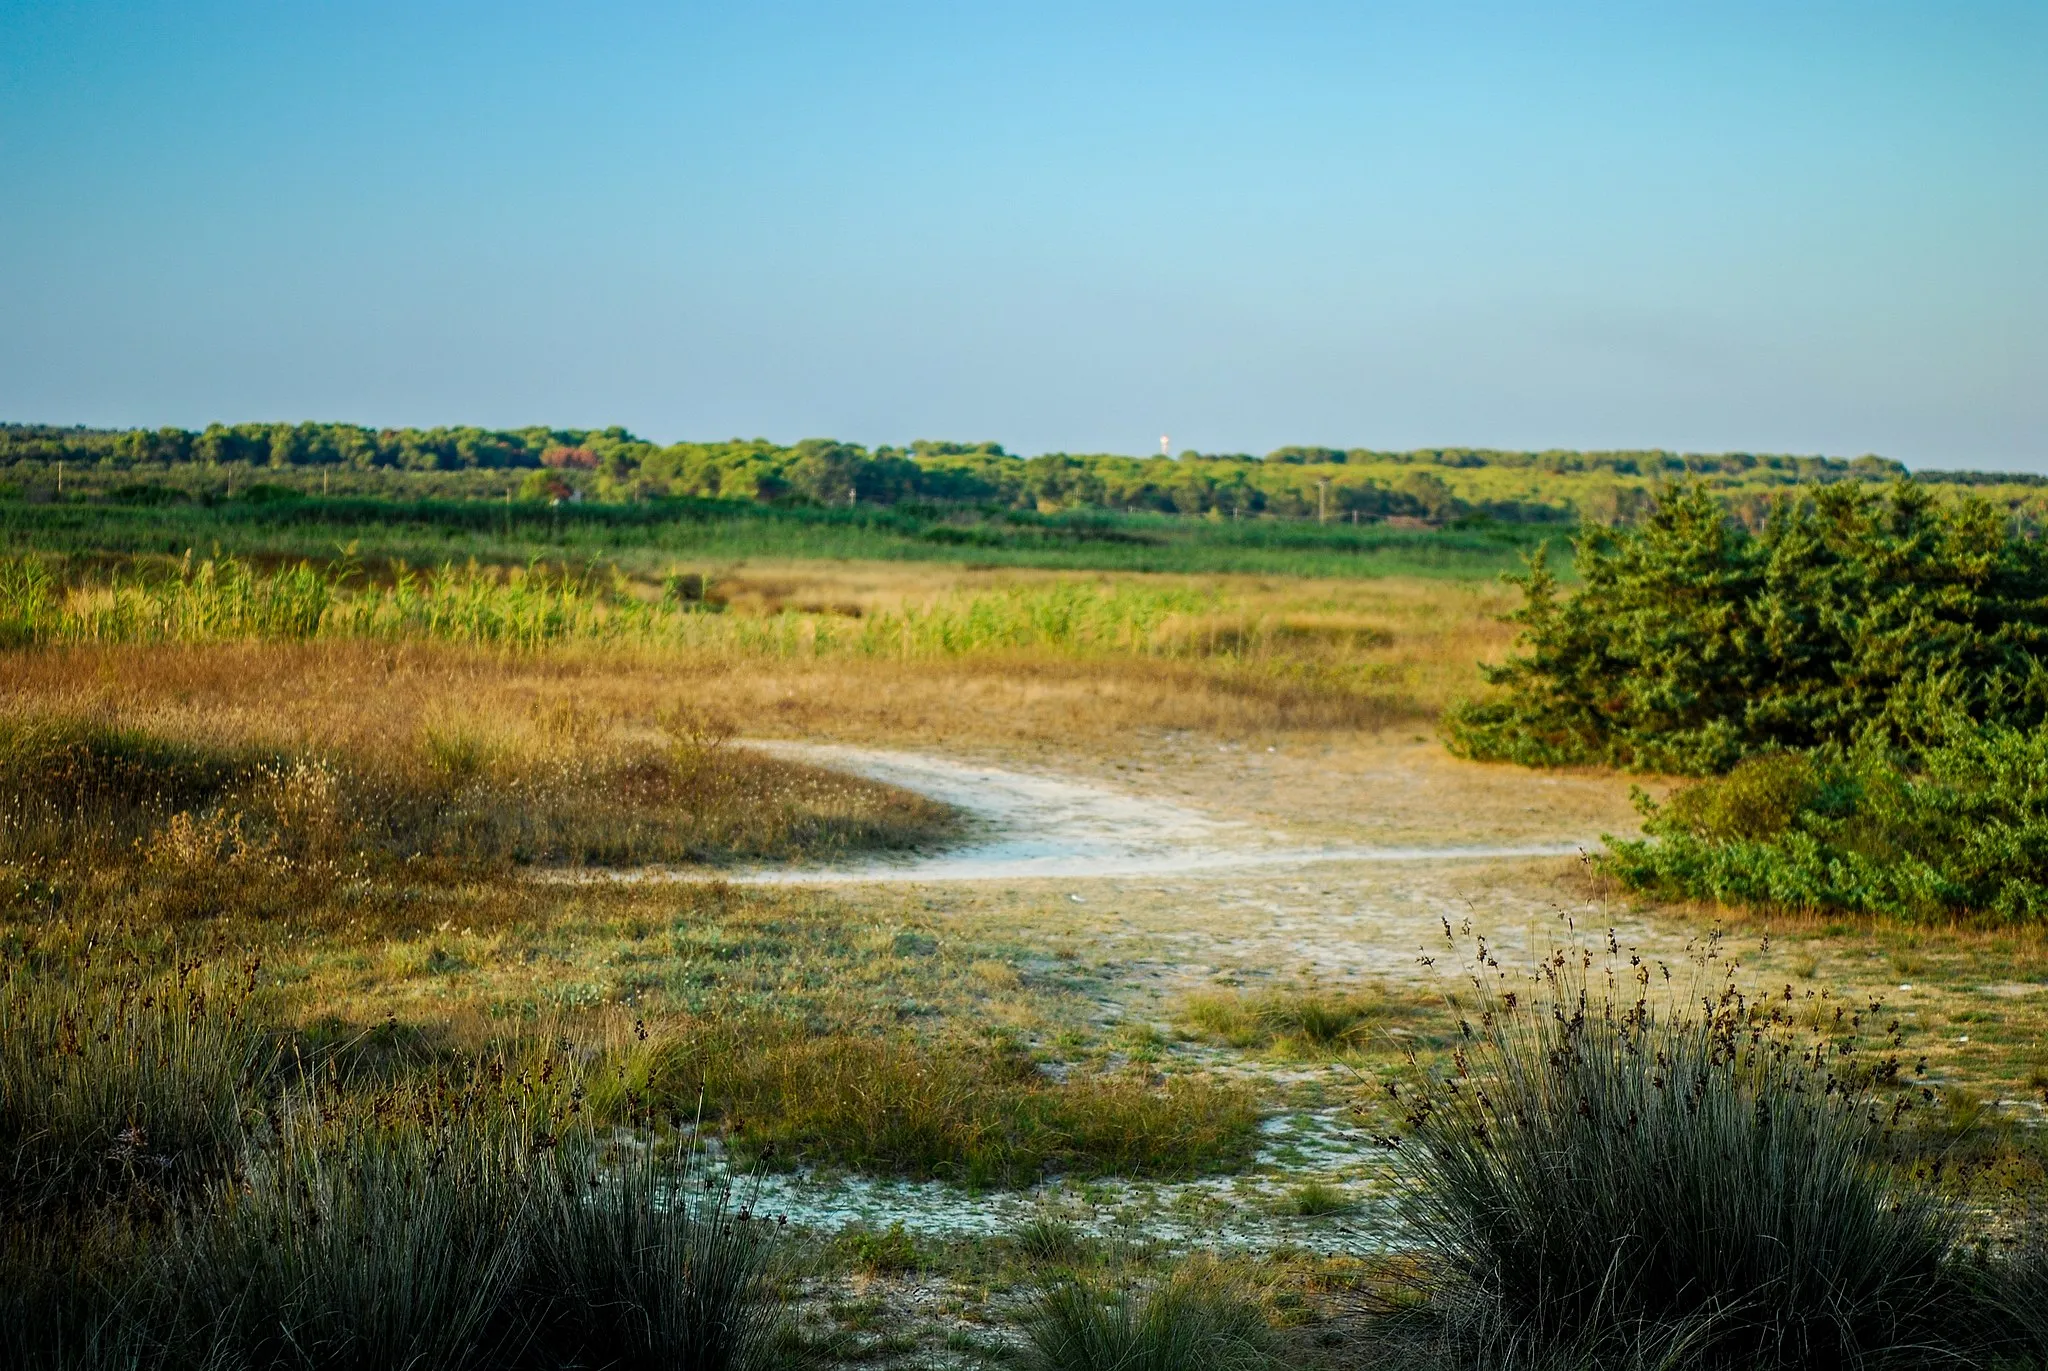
x=650 y=537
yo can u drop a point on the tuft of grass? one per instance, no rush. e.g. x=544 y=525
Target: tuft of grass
x=1318 y=1199
x=468 y=1223
x=1308 y=1021
x=1696 y=1180
x=358 y=1247
x=881 y=1251
x=115 y=1082
x=645 y=1262
x=1198 y=1319
x=1050 y=1240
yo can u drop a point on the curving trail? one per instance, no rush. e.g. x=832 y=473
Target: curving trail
x=1025 y=826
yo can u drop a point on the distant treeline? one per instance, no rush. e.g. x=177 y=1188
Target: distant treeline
x=1353 y=485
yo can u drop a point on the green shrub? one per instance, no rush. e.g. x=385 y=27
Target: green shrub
x=1692 y=643
x=1957 y=829
x=1197 y=1320
x=1599 y=1179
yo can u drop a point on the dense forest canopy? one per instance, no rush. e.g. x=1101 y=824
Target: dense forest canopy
x=1432 y=485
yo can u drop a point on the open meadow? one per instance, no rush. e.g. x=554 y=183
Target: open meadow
x=698 y=958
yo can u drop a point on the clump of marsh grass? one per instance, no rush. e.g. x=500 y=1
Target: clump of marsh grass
x=646 y=1262
x=1197 y=1319
x=1609 y=1182
x=1315 y=1199
x=1050 y=1240
x=358 y=1247
x=114 y=1080
x=458 y=1223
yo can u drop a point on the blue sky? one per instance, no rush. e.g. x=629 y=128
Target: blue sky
x=1812 y=227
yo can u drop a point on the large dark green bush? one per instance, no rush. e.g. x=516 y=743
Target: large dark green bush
x=1955 y=828
x=1693 y=643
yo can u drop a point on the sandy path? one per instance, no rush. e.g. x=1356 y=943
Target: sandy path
x=1029 y=825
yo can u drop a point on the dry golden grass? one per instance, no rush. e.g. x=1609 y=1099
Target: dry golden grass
x=1340 y=656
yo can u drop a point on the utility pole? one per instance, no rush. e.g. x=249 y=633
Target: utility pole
x=1322 y=499
x=60 y=478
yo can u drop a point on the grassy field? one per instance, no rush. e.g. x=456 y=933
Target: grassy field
x=283 y=839
x=655 y=538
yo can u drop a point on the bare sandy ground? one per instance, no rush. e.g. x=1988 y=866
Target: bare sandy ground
x=1184 y=864
x=1184 y=861
x=1030 y=824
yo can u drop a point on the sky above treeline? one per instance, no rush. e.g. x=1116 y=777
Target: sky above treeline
x=1765 y=227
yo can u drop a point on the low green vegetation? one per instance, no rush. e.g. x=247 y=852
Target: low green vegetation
x=976 y=1113
x=1302 y=1021
x=649 y=538
x=1868 y=670
x=1954 y=830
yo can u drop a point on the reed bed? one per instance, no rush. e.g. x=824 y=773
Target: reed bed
x=225 y=599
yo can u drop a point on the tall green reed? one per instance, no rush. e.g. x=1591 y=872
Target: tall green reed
x=228 y=600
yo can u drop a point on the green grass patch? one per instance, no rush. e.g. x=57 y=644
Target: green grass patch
x=980 y=1113
x=648 y=537
x=1308 y=1021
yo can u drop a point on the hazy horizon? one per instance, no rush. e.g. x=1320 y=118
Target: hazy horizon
x=1058 y=227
